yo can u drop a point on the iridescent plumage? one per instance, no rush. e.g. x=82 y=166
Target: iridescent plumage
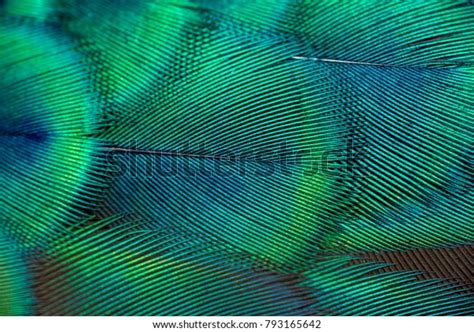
x=219 y=157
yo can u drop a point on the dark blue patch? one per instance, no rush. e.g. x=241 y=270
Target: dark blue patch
x=37 y=137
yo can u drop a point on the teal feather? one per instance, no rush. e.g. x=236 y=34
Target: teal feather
x=361 y=290
x=48 y=115
x=123 y=270
x=302 y=133
x=16 y=296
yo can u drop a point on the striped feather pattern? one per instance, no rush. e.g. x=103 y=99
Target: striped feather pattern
x=357 y=289
x=416 y=163
x=47 y=116
x=451 y=263
x=232 y=157
x=16 y=296
x=127 y=271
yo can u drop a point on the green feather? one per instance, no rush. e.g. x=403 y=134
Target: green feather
x=110 y=269
x=298 y=132
x=16 y=296
x=46 y=116
x=359 y=289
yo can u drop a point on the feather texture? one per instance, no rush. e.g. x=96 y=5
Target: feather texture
x=231 y=157
x=16 y=297
x=359 y=289
x=46 y=117
x=127 y=271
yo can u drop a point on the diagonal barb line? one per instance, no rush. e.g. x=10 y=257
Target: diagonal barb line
x=341 y=61
x=425 y=66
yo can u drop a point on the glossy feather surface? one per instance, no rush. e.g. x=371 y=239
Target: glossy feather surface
x=231 y=157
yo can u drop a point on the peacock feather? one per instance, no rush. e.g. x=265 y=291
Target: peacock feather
x=124 y=270
x=16 y=296
x=233 y=157
x=47 y=115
